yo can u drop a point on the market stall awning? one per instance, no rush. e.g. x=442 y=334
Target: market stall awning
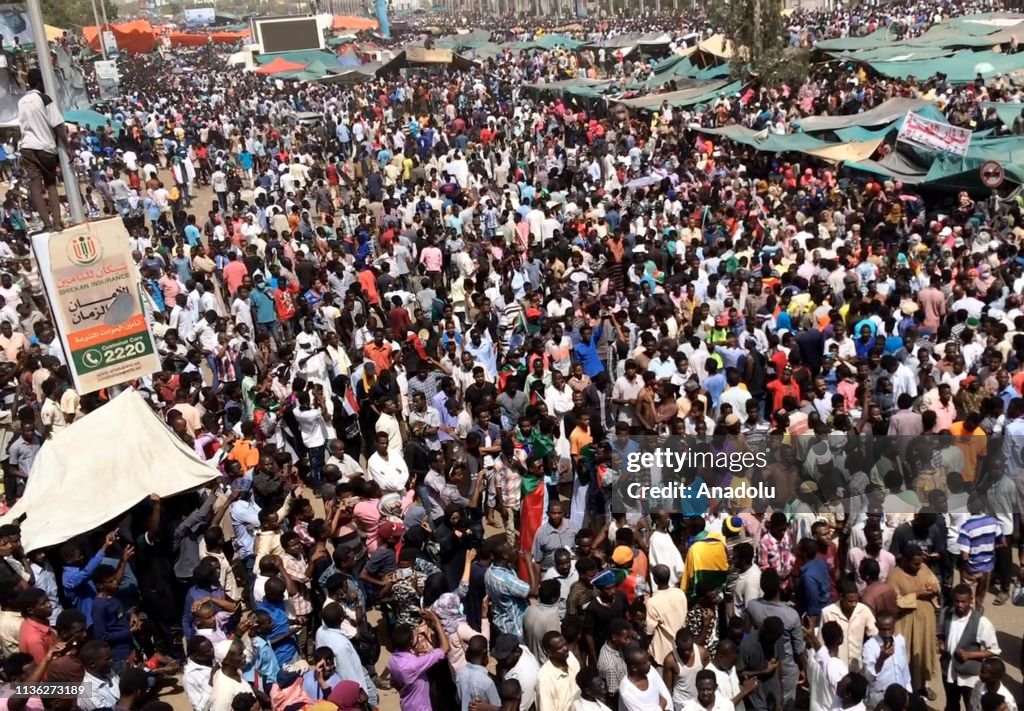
x=699 y=94
x=797 y=143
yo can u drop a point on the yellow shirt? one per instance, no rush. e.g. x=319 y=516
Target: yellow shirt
x=972 y=444
x=556 y=689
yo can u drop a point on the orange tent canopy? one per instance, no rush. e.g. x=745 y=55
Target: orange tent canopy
x=279 y=66
x=188 y=39
x=353 y=22
x=229 y=37
x=136 y=37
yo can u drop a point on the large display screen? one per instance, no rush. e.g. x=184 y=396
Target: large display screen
x=288 y=35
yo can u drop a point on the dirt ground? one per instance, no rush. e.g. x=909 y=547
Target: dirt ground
x=1008 y=620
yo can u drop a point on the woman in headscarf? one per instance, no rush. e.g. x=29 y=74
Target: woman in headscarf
x=288 y=693
x=349 y=696
x=984 y=278
x=456 y=535
x=448 y=609
x=417 y=540
x=435 y=586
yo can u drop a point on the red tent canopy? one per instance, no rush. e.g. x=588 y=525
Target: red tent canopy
x=279 y=66
x=136 y=37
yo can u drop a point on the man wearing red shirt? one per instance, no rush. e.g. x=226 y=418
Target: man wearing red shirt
x=284 y=303
x=783 y=386
x=398 y=317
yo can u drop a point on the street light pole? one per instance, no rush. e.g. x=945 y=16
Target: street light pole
x=99 y=30
x=35 y=18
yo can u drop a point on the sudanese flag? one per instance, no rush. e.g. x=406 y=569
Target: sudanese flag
x=531 y=516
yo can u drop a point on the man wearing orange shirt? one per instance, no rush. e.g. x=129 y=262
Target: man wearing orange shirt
x=972 y=441
x=379 y=352
x=579 y=438
x=368 y=281
x=244 y=450
x=234 y=273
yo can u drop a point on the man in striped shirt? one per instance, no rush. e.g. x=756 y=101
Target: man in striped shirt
x=980 y=535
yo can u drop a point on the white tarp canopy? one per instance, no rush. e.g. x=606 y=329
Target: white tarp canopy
x=99 y=467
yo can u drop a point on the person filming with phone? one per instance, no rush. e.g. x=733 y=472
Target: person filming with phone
x=885 y=660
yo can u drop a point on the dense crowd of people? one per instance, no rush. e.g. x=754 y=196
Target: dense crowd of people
x=426 y=341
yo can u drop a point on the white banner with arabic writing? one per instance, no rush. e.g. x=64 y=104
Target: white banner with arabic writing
x=935 y=135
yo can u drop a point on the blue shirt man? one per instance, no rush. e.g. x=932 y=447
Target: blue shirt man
x=157 y=293
x=816 y=588
x=264 y=665
x=312 y=687
x=286 y=648
x=263 y=301
x=1007 y=393
x=192 y=235
x=586 y=351
x=183 y=268
x=77 y=575
x=509 y=599
x=715 y=384
x=473 y=681
x=346 y=659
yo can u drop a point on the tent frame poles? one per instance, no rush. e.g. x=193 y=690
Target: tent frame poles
x=74 y=195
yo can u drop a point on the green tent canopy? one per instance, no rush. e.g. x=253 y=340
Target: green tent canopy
x=89 y=117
